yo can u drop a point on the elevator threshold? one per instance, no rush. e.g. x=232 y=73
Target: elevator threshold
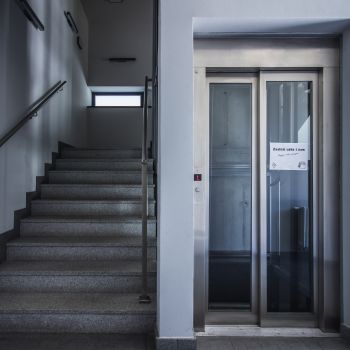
x=255 y=331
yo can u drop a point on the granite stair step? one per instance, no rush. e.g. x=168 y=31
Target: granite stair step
x=82 y=226
x=41 y=207
x=78 y=248
x=78 y=191
x=101 y=164
x=97 y=177
x=76 y=313
x=75 y=276
x=74 y=153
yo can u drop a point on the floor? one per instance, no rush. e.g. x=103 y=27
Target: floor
x=144 y=342
x=269 y=343
x=75 y=342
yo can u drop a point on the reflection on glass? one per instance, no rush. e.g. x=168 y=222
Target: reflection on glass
x=289 y=197
x=230 y=196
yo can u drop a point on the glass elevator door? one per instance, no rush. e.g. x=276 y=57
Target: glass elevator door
x=289 y=178
x=230 y=207
x=262 y=219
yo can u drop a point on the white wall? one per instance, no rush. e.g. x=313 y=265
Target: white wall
x=116 y=127
x=175 y=220
x=32 y=61
x=345 y=217
x=119 y=30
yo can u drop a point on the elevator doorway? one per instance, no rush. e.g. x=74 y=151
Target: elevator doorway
x=247 y=265
x=260 y=224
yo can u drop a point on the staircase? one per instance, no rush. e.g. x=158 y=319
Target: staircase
x=76 y=266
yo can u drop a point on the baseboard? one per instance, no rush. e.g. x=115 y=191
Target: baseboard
x=345 y=331
x=176 y=343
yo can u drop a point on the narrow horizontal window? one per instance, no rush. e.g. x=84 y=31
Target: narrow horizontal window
x=117 y=100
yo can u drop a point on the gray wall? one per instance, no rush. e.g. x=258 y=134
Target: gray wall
x=116 y=127
x=175 y=172
x=119 y=30
x=31 y=62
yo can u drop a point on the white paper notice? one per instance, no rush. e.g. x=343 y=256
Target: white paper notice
x=289 y=156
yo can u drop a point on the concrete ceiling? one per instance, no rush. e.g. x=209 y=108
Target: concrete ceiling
x=309 y=26
x=102 y=10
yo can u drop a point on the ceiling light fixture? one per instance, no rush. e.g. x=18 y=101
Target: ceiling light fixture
x=115 y=1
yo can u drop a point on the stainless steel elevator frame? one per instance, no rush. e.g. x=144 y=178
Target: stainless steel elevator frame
x=257 y=60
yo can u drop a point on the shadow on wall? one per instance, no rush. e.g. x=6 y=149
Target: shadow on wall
x=116 y=127
x=31 y=62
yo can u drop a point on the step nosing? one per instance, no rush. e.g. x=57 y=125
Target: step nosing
x=91 y=201
x=106 y=241
x=74 y=149
x=74 y=303
x=77 y=245
x=96 y=185
x=74 y=273
x=103 y=160
x=61 y=219
x=77 y=312
x=122 y=172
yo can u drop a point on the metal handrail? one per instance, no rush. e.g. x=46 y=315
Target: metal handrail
x=30 y=14
x=144 y=297
x=32 y=111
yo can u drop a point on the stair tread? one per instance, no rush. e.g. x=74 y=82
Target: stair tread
x=109 y=160
x=76 y=303
x=90 y=201
x=78 y=267
x=97 y=185
x=69 y=241
x=100 y=149
x=86 y=219
x=119 y=171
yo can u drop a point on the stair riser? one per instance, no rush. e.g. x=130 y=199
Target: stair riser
x=90 y=165
x=81 y=283
x=77 y=323
x=104 y=154
x=76 y=253
x=79 y=229
x=94 y=178
x=71 y=192
x=39 y=209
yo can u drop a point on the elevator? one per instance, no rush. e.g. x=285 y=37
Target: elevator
x=266 y=217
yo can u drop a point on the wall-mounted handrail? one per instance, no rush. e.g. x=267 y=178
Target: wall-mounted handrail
x=30 y=14
x=73 y=26
x=33 y=110
x=144 y=297
x=71 y=22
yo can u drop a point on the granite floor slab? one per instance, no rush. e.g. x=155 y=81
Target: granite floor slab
x=76 y=342
x=271 y=343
